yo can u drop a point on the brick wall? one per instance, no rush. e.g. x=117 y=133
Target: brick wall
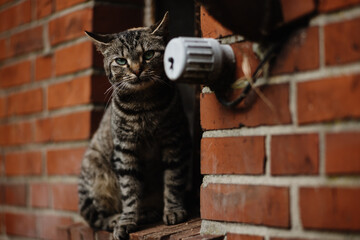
x=290 y=171
x=51 y=99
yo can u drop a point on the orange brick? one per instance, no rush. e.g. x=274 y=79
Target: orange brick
x=233 y=155
x=213 y=115
x=43 y=67
x=343 y=153
x=39 y=195
x=61 y=199
x=74 y=126
x=26 y=41
x=3 y=107
x=48 y=225
x=74 y=92
x=64 y=161
x=210 y=27
x=330 y=208
x=15 y=194
x=300 y=53
x=342 y=43
x=67 y=63
x=331 y=5
x=246 y=204
x=43 y=8
x=317 y=101
x=290 y=238
x=15 y=134
x=20 y=164
x=233 y=236
x=4 y=1
x=60 y=4
x=3 y=49
x=70 y=26
x=20 y=224
x=25 y=102
x=15 y=74
x=15 y=15
x=293 y=9
x=241 y=51
x=295 y=154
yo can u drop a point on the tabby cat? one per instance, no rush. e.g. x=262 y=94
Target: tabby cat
x=135 y=168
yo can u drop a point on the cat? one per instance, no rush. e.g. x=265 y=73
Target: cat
x=136 y=166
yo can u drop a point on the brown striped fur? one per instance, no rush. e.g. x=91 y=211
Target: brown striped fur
x=135 y=168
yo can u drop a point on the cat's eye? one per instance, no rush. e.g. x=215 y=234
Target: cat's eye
x=149 y=54
x=121 y=61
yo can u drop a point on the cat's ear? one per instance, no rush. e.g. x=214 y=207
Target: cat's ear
x=101 y=41
x=161 y=28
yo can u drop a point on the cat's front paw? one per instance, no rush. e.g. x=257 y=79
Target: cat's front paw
x=174 y=216
x=123 y=229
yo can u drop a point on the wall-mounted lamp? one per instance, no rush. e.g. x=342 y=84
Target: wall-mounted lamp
x=199 y=61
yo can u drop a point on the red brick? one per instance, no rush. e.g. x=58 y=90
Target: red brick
x=25 y=102
x=300 y=53
x=20 y=224
x=3 y=106
x=2 y=194
x=3 y=49
x=289 y=239
x=15 y=194
x=70 y=26
x=44 y=8
x=60 y=4
x=4 y=1
x=342 y=153
x=15 y=15
x=342 y=43
x=15 y=134
x=39 y=195
x=64 y=161
x=210 y=27
x=233 y=155
x=293 y=9
x=43 y=67
x=67 y=63
x=20 y=164
x=74 y=126
x=77 y=91
x=244 y=50
x=47 y=226
x=1 y=167
x=330 y=208
x=253 y=204
x=2 y=223
x=233 y=236
x=26 y=41
x=61 y=199
x=74 y=92
x=213 y=115
x=295 y=154
x=317 y=101
x=15 y=74
x=106 y=15
x=331 y=5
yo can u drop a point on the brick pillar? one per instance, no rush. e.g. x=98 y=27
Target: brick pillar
x=51 y=100
x=289 y=169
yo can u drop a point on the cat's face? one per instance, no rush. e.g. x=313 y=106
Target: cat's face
x=133 y=59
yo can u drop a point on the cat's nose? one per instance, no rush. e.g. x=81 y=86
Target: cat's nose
x=135 y=68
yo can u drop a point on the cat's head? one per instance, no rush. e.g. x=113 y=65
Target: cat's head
x=133 y=59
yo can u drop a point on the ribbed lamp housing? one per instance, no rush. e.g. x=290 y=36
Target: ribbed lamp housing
x=196 y=60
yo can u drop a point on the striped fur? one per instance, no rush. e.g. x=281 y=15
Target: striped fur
x=135 y=168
